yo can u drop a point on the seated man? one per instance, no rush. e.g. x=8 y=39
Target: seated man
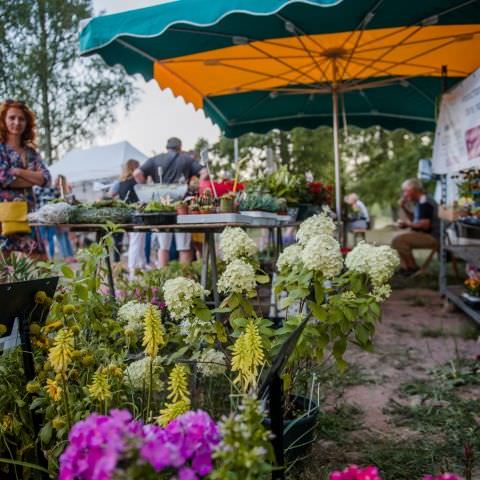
x=358 y=218
x=421 y=223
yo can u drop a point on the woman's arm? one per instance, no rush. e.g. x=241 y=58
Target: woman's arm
x=27 y=177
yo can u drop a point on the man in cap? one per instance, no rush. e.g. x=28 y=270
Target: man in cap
x=174 y=166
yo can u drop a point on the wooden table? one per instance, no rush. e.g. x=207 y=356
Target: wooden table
x=209 y=255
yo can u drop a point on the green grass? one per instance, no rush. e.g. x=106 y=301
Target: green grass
x=440 y=420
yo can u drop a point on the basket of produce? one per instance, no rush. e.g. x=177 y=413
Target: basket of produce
x=102 y=211
x=155 y=213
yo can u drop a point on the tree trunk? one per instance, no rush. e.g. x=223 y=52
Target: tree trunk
x=284 y=152
x=43 y=77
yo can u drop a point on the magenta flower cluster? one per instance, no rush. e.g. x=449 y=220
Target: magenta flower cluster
x=185 y=444
x=371 y=473
x=356 y=473
x=98 y=444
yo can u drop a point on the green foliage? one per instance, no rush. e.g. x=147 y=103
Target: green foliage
x=18 y=268
x=73 y=97
x=257 y=201
x=380 y=160
x=246 y=451
x=374 y=161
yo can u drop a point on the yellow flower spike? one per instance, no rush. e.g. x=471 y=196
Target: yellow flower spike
x=40 y=297
x=60 y=355
x=99 y=389
x=153 y=333
x=7 y=423
x=52 y=326
x=178 y=384
x=172 y=411
x=87 y=360
x=35 y=329
x=248 y=356
x=53 y=390
x=33 y=387
x=179 y=395
x=58 y=422
x=69 y=309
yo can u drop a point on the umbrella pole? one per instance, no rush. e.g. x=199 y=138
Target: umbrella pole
x=336 y=151
x=237 y=165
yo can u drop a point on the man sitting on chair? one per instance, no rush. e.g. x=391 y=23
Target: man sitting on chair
x=421 y=223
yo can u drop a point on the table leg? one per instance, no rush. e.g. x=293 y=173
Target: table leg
x=204 y=271
x=210 y=238
x=111 y=283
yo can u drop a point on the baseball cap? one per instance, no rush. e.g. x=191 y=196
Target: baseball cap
x=174 y=142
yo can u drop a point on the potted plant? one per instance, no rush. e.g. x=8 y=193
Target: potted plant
x=206 y=202
x=227 y=202
x=194 y=207
x=472 y=296
x=181 y=208
x=335 y=301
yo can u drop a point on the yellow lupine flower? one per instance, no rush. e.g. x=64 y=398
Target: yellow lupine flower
x=153 y=334
x=53 y=390
x=178 y=384
x=179 y=395
x=60 y=354
x=172 y=411
x=7 y=423
x=248 y=356
x=99 y=389
x=52 y=326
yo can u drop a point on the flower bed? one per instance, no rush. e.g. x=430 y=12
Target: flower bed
x=166 y=388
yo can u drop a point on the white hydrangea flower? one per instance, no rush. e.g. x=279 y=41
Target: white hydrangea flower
x=238 y=277
x=322 y=254
x=289 y=257
x=212 y=363
x=381 y=292
x=235 y=243
x=179 y=294
x=191 y=328
x=379 y=263
x=137 y=374
x=348 y=296
x=320 y=224
x=131 y=314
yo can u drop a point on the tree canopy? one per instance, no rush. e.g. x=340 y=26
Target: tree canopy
x=374 y=161
x=74 y=98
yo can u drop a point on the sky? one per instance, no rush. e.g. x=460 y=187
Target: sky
x=158 y=115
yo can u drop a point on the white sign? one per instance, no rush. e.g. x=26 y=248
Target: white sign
x=457 y=138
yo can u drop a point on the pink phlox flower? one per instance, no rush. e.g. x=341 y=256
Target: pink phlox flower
x=96 y=444
x=353 y=472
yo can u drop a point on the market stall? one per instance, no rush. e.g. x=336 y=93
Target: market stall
x=158 y=217
x=457 y=155
x=254 y=66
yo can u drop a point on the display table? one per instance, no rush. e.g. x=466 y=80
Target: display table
x=209 y=255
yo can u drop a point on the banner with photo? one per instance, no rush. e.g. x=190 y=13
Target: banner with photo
x=457 y=137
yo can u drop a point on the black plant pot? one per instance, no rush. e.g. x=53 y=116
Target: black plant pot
x=299 y=432
x=306 y=210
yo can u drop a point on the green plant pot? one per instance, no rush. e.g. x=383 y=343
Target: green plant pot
x=298 y=433
x=226 y=205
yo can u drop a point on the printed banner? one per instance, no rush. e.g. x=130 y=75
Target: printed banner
x=457 y=138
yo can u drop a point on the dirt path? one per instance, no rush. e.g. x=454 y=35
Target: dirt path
x=416 y=335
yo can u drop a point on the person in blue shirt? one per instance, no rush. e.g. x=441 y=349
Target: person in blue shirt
x=420 y=224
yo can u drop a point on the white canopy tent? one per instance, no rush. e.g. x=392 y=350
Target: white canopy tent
x=88 y=170
x=96 y=163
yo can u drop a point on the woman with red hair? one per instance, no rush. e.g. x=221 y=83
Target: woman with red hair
x=21 y=167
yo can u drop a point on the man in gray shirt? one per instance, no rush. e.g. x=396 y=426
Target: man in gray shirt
x=174 y=166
